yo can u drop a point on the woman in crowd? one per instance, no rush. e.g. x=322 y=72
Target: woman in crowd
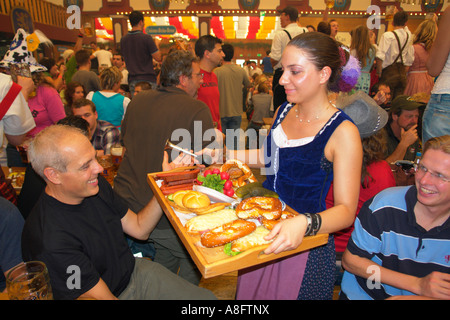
x=46 y=107
x=364 y=51
x=376 y=174
x=73 y=92
x=111 y=105
x=55 y=73
x=304 y=154
x=418 y=80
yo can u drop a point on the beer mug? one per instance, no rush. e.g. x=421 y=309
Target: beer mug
x=29 y=281
x=88 y=30
x=109 y=171
x=329 y=3
x=116 y=154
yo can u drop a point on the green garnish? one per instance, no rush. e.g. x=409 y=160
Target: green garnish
x=212 y=181
x=227 y=250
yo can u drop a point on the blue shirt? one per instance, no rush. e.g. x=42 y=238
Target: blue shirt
x=267 y=65
x=387 y=233
x=11 y=225
x=110 y=108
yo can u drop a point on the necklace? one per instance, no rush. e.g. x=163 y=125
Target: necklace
x=313 y=119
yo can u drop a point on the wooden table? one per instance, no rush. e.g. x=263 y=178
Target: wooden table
x=214 y=261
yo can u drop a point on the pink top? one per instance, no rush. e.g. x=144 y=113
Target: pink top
x=46 y=108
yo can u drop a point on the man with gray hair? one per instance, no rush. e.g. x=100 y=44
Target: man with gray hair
x=153 y=117
x=78 y=224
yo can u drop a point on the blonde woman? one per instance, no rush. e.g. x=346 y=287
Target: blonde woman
x=418 y=80
x=111 y=105
x=362 y=49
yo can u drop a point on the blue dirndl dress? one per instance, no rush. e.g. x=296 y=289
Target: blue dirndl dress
x=301 y=176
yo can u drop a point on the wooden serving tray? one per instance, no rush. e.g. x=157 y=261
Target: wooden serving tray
x=214 y=261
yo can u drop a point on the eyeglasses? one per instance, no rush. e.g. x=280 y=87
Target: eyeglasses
x=199 y=75
x=422 y=169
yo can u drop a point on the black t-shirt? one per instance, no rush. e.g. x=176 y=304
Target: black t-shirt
x=85 y=239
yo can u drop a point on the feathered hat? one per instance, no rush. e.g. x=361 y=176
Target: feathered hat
x=21 y=48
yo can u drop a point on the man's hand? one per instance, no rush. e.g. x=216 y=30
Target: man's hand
x=410 y=136
x=380 y=98
x=27 y=85
x=435 y=285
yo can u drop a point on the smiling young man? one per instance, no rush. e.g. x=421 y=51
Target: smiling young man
x=102 y=134
x=77 y=228
x=401 y=242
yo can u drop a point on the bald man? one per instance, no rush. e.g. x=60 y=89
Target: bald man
x=77 y=227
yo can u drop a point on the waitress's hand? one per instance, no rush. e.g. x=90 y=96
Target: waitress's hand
x=287 y=234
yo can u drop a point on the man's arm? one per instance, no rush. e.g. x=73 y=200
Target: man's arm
x=407 y=139
x=141 y=224
x=157 y=54
x=434 y=285
x=99 y=292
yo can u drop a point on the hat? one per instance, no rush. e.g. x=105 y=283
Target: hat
x=367 y=115
x=291 y=12
x=19 y=52
x=405 y=103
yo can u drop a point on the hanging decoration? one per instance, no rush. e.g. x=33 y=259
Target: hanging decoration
x=217 y=27
x=342 y=5
x=248 y=4
x=267 y=25
x=159 y=5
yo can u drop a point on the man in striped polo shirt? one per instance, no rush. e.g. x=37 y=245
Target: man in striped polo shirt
x=400 y=247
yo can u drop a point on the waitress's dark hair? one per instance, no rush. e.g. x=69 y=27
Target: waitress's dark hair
x=323 y=51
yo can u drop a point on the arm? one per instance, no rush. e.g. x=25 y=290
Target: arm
x=140 y=225
x=407 y=139
x=289 y=233
x=58 y=82
x=99 y=292
x=441 y=47
x=275 y=50
x=157 y=54
x=381 y=52
x=434 y=285
x=15 y=140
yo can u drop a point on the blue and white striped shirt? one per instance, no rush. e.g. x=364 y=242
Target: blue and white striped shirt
x=387 y=233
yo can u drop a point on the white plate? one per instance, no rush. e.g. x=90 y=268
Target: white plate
x=214 y=195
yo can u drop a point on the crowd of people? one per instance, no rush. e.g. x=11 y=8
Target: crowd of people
x=342 y=119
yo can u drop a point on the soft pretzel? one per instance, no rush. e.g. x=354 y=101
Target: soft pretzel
x=269 y=208
x=227 y=233
x=238 y=180
x=269 y=224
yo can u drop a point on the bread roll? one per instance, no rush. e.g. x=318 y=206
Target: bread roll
x=195 y=200
x=178 y=197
